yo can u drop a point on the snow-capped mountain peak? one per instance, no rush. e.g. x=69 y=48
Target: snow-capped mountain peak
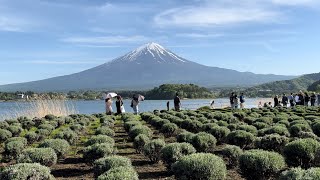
x=151 y=52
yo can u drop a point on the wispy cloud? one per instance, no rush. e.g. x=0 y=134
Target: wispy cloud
x=12 y=24
x=296 y=2
x=54 y=62
x=106 y=39
x=199 y=35
x=217 y=14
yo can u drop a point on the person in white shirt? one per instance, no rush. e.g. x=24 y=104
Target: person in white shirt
x=108 y=102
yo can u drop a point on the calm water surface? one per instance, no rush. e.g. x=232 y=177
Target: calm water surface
x=90 y=107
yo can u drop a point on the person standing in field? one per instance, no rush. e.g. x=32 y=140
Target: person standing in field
x=313 y=99
x=108 y=102
x=232 y=100
x=301 y=98
x=284 y=100
x=291 y=100
x=318 y=99
x=212 y=104
x=236 y=102
x=306 y=99
x=177 y=102
x=168 y=105
x=119 y=105
x=242 y=100
x=276 y=101
x=296 y=99
x=134 y=105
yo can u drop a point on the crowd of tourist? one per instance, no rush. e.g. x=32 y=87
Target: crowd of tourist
x=301 y=98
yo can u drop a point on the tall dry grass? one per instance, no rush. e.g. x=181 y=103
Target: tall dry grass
x=40 y=108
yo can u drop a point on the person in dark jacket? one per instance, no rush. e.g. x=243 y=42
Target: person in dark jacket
x=301 y=98
x=177 y=102
x=232 y=100
x=291 y=100
x=119 y=103
x=276 y=101
x=306 y=99
x=313 y=98
x=284 y=100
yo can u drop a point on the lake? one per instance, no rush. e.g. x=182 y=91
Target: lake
x=90 y=107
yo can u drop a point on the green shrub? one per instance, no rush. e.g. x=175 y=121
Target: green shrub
x=23 y=171
x=15 y=130
x=191 y=125
x=185 y=137
x=96 y=151
x=140 y=141
x=22 y=139
x=248 y=128
x=258 y=164
x=301 y=152
x=140 y=129
x=220 y=133
x=48 y=127
x=311 y=135
x=169 y=129
x=4 y=125
x=128 y=125
x=13 y=149
x=200 y=166
x=298 y=173
x=77 y=128
x=4 y=135
x=44 y=156
x=273 y=142
x=267 y=120
x=231 y=154
x=31 y=137
x=50 y=117
x=260 y=125
x=42 y=133
x=120 y=173
x=105 y=131
x=316 y=128
x=105 y=164
x=204 y=142
x=174 y=151
x=297 y=128
x=27 y=124
x=67 y=135
x=11 y=121
x=100 y=139
x=152 y=149
x=240 y=138
x=282 y=131
x=60 y=146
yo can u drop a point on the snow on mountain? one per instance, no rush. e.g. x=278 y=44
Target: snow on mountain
x=151 y=52
x=146 y=67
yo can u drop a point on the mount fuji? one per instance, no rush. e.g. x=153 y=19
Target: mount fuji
x=145 y=67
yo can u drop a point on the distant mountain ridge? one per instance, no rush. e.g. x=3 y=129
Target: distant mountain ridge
x=286 y=86
x=144 y=68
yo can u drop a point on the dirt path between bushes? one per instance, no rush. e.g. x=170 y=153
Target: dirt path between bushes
x=142 y=165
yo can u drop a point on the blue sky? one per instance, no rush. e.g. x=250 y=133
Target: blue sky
x=46 y=38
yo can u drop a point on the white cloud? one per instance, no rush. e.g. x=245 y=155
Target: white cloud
x=296 y=2
x=106 y=39
x=12 y=24
x=199 y=35
x=217 y=13
x=62 y=62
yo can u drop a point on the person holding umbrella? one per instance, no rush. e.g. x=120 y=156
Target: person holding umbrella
x=108 y=102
